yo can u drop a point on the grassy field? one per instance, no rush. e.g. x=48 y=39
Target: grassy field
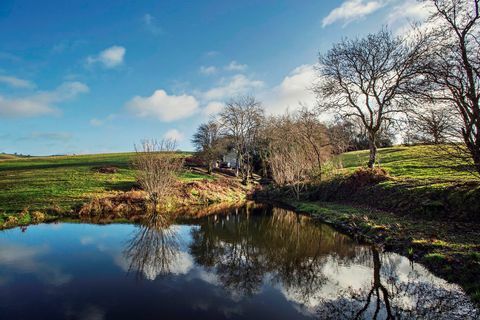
x=39 y=183
x=425 y=163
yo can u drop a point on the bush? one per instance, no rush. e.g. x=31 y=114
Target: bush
x=367 y=176
x=194 y=161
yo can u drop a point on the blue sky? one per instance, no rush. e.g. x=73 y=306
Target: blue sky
x=98 y=76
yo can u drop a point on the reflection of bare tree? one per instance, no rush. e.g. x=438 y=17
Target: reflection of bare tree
x=389 y=296
x=244 y=248
x=153 y=248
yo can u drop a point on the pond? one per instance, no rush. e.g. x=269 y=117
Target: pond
x=247 y=263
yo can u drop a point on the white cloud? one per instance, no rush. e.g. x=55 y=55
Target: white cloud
x=213 y=108
x=351 y=10
x=40 y=103
x=208 y=70
x=409 y=12
x=211 y=54
x=110 y=58
x=163 y=106
x=409 y=9
x=151 y=24
x=235 y=66
x=96 y=122
x=236 y=85
x=174 y=134
x=16 y=82
x=294 y=89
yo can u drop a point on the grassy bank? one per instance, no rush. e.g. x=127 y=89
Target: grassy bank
x=450 y=250
x=50 y=186
x=421 y=181
x=421 y=164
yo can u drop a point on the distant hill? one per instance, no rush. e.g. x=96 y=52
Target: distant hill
x=6 y=156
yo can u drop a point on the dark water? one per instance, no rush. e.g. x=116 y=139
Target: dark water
x=258 y=263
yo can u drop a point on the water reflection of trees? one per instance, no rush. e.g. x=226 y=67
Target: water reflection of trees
x=153 y=248
x=393 y=295
x=244 y=248
x=247 y=248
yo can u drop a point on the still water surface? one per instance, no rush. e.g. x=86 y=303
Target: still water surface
x=262 y=263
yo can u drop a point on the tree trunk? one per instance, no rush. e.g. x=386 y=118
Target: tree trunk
x=475 y=152
x=237 y=165
x=372 y=142
x=210 y=165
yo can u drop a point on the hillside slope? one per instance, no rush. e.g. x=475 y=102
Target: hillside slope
x=424 y=163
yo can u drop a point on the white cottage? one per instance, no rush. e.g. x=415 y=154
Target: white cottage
x=229 y=159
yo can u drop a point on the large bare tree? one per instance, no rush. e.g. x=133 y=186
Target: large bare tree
x=368 y=79
x=241 y=120
x=454 y=66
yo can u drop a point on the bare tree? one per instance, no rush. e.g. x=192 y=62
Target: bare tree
x=208 y=143
x=241 y=120
x=454 y=66
x=313 y=135
x=368 y=79
x=434 y=125
x=157 y=167
x=298 y=145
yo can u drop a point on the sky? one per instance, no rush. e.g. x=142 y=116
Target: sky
x=97 y=76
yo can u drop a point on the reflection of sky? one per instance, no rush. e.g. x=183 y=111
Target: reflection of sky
x=61 y=258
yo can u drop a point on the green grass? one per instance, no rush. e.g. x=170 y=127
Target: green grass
x=40 y=183
x=427 y=163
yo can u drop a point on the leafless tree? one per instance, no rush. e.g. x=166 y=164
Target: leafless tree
x=153 y=248
x=157 y=166
x=368 y=79
x=298 y=146
x=241 y=120
x=209 y=143
x=433 y=125
x=454 y=66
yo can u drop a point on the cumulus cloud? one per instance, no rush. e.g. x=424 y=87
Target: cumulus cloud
x=213 y=108
x=41 y=103
x=294 y=89
x=163 y=106
x=208 y=70
x=235 y=66
x=174 y=134
x=151 y=24
x=236 y=85
x=351 y=10
x=403 y=15
x=110 y=58
x=16 y=82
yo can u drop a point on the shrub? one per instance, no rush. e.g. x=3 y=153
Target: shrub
x=368 y=176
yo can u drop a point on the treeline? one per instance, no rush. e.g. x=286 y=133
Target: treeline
x=424 y=83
